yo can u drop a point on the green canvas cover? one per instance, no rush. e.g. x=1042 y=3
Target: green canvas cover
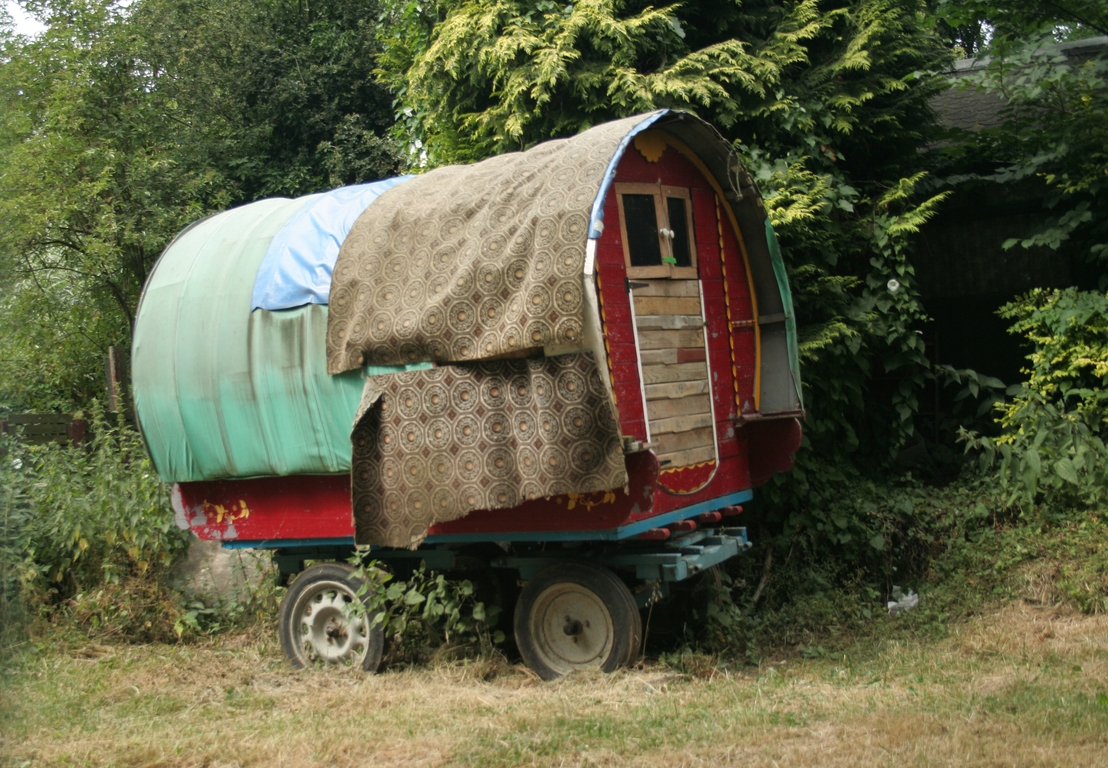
x=221 y=391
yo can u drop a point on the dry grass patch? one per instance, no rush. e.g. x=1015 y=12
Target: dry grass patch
x=1023 y=686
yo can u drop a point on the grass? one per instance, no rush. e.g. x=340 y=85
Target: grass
x=1021 y=685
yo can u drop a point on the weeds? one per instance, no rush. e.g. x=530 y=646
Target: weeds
x=87 y=540
x=427 y=614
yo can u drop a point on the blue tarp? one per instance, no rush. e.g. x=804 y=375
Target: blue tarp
x=297 y=266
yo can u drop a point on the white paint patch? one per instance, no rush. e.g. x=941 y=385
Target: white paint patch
x=178 y=503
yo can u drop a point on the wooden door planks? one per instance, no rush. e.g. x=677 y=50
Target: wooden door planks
x=675 y=372
x=667 y=305
x=659 y=374
x=669 y=322
x=675 y=442
x=673 y=356
x=676 y=389
x=680 y=424
x=686 y=406
x=668 y=288
x=671 y=339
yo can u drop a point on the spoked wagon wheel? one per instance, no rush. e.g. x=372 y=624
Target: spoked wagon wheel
x=574 y=615
x=318 y=626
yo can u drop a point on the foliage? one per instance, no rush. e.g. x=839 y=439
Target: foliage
x=91 y=187
x=122 y=123
x=1055 y=424
x=90 y=523
x=961 y=548
x=1054 y=117
x=477 y=77
x=865 y=366
x=280 y=96
x=998 y=22
x=425 y=613
x=981 y=391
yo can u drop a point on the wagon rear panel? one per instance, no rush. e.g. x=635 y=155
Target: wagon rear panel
x=682 y=344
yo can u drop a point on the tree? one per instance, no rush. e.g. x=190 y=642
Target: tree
x=123 y=123
x=1054 y=118
x=92 y=185
x=1052 y=141
x=282 y=92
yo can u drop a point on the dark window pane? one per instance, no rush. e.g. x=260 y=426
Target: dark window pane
x=642 y=230
x=679 y=223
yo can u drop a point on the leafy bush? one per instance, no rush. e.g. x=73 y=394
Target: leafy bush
x=89 y=526
x=1054 y=426
x=961 y=547
x=426 y=614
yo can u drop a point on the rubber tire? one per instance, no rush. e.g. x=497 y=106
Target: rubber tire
x=316 y=580
x=595 y=589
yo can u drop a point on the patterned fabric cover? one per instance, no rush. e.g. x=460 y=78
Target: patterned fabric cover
x=431 y=446
x=471 y=262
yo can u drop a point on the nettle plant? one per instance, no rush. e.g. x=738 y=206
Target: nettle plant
x=1054 y=425
x=424 y=613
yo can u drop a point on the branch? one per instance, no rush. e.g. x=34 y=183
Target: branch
x=1062 y=11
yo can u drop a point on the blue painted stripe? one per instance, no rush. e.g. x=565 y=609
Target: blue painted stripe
x=283 y=543
x=610 y=534
x=597 y=214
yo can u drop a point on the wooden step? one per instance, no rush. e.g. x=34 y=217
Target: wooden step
x=671 y=339
x=669 y=322
x=667 y=305
x=682 y=441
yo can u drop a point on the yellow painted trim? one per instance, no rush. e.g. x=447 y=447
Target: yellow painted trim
x=691 y=156
x=604 y=333
x=651 y=145
x=727 y=306
x=683 y=469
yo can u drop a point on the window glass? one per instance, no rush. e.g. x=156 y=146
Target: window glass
x=642 y=230
x=679 y=223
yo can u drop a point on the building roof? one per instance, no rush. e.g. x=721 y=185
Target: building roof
x=967 y=108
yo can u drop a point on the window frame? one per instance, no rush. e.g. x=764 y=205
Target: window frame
x=661 y=193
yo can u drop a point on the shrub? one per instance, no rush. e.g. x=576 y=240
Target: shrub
x=1054 y=426
x=426 y=614
x=84 y=525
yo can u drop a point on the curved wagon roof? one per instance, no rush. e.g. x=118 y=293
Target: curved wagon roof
x=233 y=336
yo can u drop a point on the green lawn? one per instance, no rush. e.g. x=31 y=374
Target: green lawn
x=1023 y=685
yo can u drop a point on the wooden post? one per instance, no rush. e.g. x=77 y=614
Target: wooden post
x=113 y=371
x=75 y=431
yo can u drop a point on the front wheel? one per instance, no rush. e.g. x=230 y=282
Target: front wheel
x=319 y=623
x=574 y=615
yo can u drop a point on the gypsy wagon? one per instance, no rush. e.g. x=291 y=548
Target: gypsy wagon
x=566 y=367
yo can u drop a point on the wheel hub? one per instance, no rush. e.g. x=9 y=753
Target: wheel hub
x=329 y=631
x=571 y=627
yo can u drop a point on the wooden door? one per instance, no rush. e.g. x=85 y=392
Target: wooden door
x=656 y=227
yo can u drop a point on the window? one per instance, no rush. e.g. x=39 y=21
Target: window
x=656 y=224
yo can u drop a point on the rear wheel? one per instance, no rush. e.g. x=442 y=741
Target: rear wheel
x=574 y=615
x=319 y=623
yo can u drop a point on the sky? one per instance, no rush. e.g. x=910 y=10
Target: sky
x=24 y=24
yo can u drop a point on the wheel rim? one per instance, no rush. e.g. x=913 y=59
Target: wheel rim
x=327 y=630
x=571 y=627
